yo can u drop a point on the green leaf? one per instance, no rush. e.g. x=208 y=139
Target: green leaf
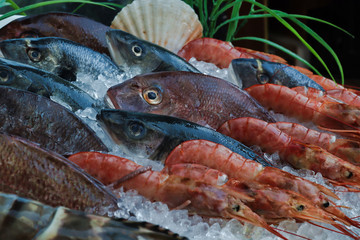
x=41 y=4
x=14 y=5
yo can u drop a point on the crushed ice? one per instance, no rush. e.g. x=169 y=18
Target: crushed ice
x=194 y=227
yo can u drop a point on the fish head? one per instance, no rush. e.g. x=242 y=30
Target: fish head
x=135 y=136
x=150 y=93
x=131 y=53
x=38 y=52
x=19 y=28
x=12 y=78
x=248 y=72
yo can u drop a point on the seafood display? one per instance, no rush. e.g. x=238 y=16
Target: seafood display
x=174 y=24
x=198 y=98
x=59 y=24
x=180 y=149
x=22 y=218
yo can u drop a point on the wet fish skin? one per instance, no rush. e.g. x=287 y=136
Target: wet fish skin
x=24 y=219
x=248 y=72
x=60 y=56
x=138 y=56
x=195 y=97
x=26 y=77
x=32 y=172
x=155 y=136
x=59 y=24
x=45 y=122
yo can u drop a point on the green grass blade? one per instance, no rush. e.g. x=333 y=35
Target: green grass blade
x=36 y=5
x=285 y=50
x=233 y=25
x=14 y=6
x=288 y=26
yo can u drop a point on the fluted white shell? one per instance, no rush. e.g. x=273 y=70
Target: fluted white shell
x=168 y=23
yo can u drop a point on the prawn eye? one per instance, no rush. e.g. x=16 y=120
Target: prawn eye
x=262 y=78
x=152 y=96
x=137 y=50
x=34 y=54
x=136 y=129
x=326 y=204
x=300 y=208
x=348 y=174
x=4 y=75
x=236 y=207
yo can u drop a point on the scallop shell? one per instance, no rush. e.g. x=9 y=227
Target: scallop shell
x=168 y=23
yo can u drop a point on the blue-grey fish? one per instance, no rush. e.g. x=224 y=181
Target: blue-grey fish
x=155 y=136
x=26 y=77
x=138 y=56
x=65 y=58
x=248 y=72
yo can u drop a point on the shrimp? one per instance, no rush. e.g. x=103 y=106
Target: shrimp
x=345 y=95
x=198 y=197
x=235 y=166
x=273 y=204
x=211 y=50
x=284 y=100
x=315 y=94
x=253 y=131
x=346 y=149
x=262 y=55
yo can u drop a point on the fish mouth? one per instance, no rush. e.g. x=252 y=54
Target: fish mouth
x=234 y=77
x=108 y=102
x=116 y=47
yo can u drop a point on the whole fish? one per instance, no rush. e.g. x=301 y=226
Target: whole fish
x=248 y=72
x=62 y=57
x=58 y=24
x=155 y=136
x=195 y=97
x=32 y=172
x=24 y=219
x=138 y=56
x=26 y=77
x=45 y=122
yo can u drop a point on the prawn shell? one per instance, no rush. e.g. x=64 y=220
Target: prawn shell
x=168 y=23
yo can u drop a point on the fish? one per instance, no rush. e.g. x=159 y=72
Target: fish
x=155 y=136
x=138 y=56
x=59 y=24
x=195 y=97
x=45 y=122
x=42 y=175
x=248 y=72
x=28 y=78
x=26 y=219
x=62 y=57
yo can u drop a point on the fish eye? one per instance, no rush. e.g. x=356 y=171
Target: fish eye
x=254 y=65
x=348 y=174
x=326 y=204
x=136 y=129
x=300 y=208
x=137 y=50
x=236 y=207
x=152 y=96
x=4 y=75
x=34 y=54
x=262 y=78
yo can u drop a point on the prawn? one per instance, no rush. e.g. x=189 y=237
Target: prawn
x=315 y=94
x=271 y=203
x=346 y=149
x=198 y=197
x=252 y=131
x=213 y=51
x=325 y=114
x=235 y=166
